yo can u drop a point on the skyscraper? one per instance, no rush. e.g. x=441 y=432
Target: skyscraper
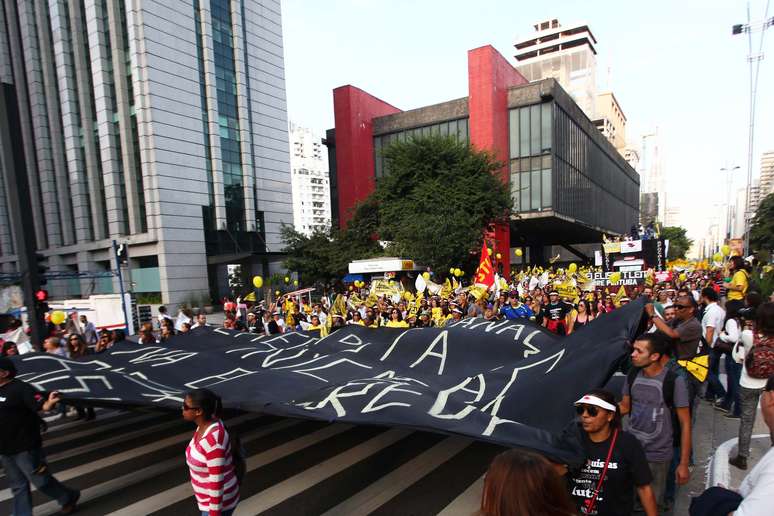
x=767 y=174
x=564 y=53
x=160 y=124
x=310 y=180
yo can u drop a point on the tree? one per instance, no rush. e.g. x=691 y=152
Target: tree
x=436 y=198
x=679 y=243
x=762 y=226
x=323 y=256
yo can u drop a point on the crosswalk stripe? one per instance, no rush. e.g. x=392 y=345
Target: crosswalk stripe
x=183 y=491
x=381 y=491
x=468 y=502
x=101 y=428
x=279 y=492
x=116 y=484
x=83 y=469
x=103 y=443
x=55 y=421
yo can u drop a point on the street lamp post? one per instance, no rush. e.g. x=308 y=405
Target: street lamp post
x=749 y=28
x=728 y=171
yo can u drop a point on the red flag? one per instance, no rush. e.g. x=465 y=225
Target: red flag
x=485 y=272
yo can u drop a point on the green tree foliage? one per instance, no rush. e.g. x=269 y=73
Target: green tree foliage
x=762 y=227
x=323 y=256
x=436 y=199
x=679 y=243
x=432 y=206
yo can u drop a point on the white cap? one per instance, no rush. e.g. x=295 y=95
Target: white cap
x=590 y=399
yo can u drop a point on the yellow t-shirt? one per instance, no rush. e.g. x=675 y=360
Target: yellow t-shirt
x=397 y=324
x=739 y=279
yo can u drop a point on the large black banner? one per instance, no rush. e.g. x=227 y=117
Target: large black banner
x=508 y=382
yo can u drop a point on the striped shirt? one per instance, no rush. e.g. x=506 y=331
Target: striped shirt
x=211 y=466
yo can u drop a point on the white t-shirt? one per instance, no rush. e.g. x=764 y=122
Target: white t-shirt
x=757 y=488
x=713 y=317
x=739 y=352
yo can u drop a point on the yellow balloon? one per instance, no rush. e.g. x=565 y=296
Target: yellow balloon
x=457 y=272
x=519 y=252
x=295 y=282
x=276 y=292
x=451 y=271
x=287 y=279
x=499 y=256
x=257 y=281
x=58 y=317
x=726 y=250
x=683 y=277
x=489 y=251
x=426 y=275
x=615 y=277
x=351 y=287
x=572 y=268
x=717 y=257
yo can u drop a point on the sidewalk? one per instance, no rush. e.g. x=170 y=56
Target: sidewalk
x=714 y=441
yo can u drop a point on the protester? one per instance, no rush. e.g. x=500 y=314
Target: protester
x=209 y=455
x=712 y=322
x=163 y=316
x=520 y=482
x=615 y=466
x=515 y=309
x=581 y=316
x=201 y=320
x=737 y=286
x=53 y=345
x=728 y=340
x=21 y=452
x=104 y=342
x=9 y=349
x=89 y=331
x=650 y=404
x=750 y=387
x=556 y=314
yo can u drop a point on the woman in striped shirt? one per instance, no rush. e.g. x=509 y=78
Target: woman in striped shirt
x=209 y=455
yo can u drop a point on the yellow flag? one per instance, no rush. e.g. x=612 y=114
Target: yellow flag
x=698 y=366
x=250 y=297
x=619 y=295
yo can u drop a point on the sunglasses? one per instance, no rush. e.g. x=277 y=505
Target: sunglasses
x=590 y=409
x=680 y=307
x=186 y=407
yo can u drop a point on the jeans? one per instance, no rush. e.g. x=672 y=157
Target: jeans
x=30 y=466
x=224 y=513
x=749 y=398
x=714 y=387
x=733 y=372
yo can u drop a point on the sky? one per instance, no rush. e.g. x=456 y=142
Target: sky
x=674 y=67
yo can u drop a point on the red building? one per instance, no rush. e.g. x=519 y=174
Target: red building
x=542 y=168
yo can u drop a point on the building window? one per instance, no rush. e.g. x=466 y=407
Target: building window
x=530 y=149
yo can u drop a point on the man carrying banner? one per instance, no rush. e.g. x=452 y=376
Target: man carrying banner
x=556 y=314
x=20 y=444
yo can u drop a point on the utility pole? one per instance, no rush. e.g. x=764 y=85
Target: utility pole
x=755 y=63
x=20 y=209
x=729 y=183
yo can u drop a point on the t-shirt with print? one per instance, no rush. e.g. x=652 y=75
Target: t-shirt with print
x=650 y=420
x=628 y=469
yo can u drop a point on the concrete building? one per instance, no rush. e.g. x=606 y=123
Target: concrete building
x=632 y=157
x=560 y=169
x=611 y=121
x=159 y=124
x=767 y=174
x=564 y=53
x=310 y=180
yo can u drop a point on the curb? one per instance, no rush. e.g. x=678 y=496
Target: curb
x=719 y=468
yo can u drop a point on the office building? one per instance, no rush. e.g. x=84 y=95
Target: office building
x=611 y=121
x=565 y=53
x=767 y=174
x=310 y=182
x=569 y=184
x=159 y=124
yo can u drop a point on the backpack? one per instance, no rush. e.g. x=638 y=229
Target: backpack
x=759 y=361
x=668 y=392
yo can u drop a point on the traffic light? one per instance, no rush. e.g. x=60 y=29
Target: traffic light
x=40 y=262
x=41 y=301
x=122 y=252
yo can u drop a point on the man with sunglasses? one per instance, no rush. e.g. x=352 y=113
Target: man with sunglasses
x=650 y=405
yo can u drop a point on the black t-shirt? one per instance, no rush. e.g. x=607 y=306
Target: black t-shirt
x=19 y=420
x=628 y=469
x=556 y=311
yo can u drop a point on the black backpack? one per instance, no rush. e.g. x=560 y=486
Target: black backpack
x=668 y=392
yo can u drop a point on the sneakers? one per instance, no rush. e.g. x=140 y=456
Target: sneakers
x=720 y=407
x=739 y=461
x=731 y=415
x=71 y=506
